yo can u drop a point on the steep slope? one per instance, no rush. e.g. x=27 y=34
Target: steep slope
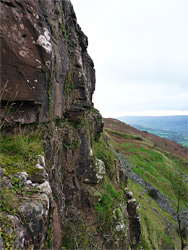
x=61 y=187
x=157 y=172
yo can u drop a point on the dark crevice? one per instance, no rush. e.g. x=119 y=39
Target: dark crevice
x=9 y=4
x=19 y=4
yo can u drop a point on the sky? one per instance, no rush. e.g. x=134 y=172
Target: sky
x=140 y=52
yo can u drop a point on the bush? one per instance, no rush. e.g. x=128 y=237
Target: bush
x=102 y=152
x=153 y=193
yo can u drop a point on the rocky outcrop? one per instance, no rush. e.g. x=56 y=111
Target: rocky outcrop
x=134 y=219
x=26 y=208
x=46 y=70
x=47 y=81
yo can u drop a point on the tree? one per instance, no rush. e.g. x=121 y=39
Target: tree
x=180 y=190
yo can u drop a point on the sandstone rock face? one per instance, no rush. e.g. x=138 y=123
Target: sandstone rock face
x=46 y=70
x=48 y=79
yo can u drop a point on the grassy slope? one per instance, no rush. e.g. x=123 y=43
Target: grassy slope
x=19 y=152
x=156 y=160
x=159 y=162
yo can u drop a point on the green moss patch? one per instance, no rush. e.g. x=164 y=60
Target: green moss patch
x=20 y=152
x=103 y=152
x=110 y=211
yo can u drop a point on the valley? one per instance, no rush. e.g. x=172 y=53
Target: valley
x=174 y=128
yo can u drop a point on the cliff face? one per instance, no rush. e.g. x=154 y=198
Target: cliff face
x=74 y=196
x=45 y=65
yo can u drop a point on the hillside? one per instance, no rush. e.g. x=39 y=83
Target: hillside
x=157 y=172
x=63 y=177
x=174 y=128
x=172 y=123
x=180 y=137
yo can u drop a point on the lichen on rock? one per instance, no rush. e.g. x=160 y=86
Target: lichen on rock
x=100 y=170
x=24 y=211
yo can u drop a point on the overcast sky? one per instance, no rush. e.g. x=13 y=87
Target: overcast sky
x=140 y=52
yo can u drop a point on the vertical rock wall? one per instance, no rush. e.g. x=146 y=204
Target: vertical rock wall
x=46 y=70
x=48 y=76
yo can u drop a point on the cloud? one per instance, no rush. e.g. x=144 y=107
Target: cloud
x=140 y=53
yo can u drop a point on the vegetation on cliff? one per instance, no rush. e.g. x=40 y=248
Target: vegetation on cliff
x=100 y=219
x=158 y=179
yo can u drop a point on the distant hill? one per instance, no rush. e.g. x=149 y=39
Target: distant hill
x=174 y=128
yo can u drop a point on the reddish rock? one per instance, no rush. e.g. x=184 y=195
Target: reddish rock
x=24 y=57
x=57 y=234
x=45 y=68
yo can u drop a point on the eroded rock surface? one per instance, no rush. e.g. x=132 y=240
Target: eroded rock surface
x=48 y=79
x=46 y=70
x=26 y=207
